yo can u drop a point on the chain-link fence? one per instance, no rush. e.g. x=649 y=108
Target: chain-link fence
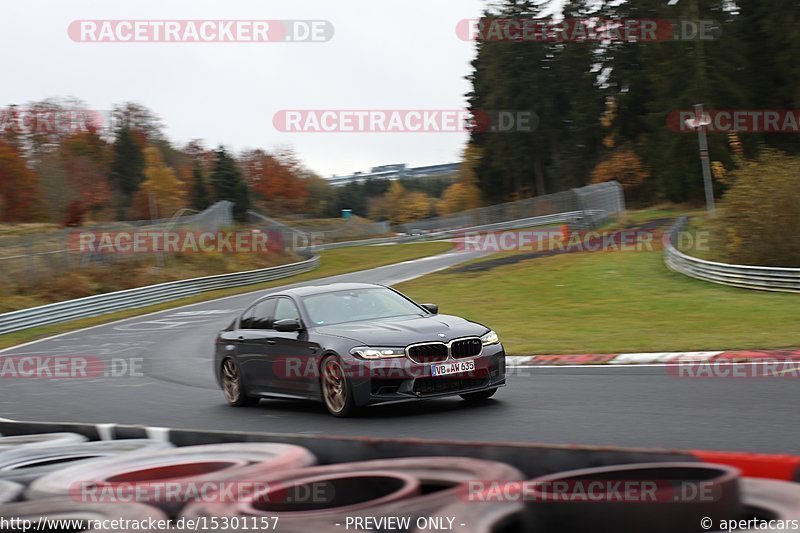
x=43 y=253
x=595 y=202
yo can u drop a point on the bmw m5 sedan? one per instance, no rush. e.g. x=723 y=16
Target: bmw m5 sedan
x=350 y=345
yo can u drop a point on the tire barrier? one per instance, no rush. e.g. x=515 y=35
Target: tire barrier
x=29 y=463
x=663 y=505
x=424 y=494
x=66 y=511
x=766 y=498
x=40 y=439
x=183 y=470
x=371 y=488
x=10 y=491
x=481 y=517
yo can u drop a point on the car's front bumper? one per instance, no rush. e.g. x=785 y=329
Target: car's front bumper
x=400 y=379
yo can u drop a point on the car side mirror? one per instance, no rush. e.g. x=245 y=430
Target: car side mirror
x=431 y=308
x=287 y=324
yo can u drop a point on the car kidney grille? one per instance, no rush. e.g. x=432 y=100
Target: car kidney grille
x=435 y=352
x=466 y=348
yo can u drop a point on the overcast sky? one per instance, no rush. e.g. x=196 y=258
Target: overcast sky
x=386 y=54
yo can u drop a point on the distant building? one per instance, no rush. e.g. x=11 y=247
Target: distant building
x=396 y=171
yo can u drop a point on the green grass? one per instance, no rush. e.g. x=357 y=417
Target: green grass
x=333 y=262
x=609 y=303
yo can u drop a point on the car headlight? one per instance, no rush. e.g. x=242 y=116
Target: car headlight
x=490 y=338
x=370 y=352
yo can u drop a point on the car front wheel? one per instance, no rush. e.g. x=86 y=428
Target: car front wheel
x=232 y=385
x=336 y=390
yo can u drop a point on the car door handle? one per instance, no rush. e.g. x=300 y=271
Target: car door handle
x=270 y=341
x=240 y=338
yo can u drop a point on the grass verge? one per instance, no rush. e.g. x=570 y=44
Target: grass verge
x=611 y=302
x=333 y=262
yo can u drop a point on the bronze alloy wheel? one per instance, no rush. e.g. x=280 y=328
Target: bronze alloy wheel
x=232 y=385
x=336 y=389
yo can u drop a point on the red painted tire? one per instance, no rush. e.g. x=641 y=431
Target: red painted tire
x=441 y=480
x=65 y=509
x=24 y=465
x=148 y=476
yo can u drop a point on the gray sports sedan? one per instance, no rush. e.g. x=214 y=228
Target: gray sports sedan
x=349 y=345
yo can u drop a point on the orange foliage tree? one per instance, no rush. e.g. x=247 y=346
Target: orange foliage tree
x=278 y=178
x=624 y=166
x=19 y=187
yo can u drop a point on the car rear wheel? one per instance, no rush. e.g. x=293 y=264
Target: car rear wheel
x=232 y=385
x=479 y=396
x=336 y=390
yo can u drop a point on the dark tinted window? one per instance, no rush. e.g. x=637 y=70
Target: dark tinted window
x=247 y=318
x=263 y=314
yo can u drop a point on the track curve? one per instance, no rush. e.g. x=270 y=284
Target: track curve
x=626 y=406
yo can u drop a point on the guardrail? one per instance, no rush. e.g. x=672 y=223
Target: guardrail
x=164 y=292
x=143 y=296
x=593 y=216
x=744 y=276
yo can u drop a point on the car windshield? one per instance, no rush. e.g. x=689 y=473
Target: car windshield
x=357 y=305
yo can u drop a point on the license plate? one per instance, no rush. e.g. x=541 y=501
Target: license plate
x=452 y=368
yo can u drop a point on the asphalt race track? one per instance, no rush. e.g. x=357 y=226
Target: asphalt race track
x=628 y=406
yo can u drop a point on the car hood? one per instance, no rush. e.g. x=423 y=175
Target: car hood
x=406 y=330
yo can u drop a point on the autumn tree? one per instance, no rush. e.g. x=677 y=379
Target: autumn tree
x=464 y=193
x=85 y=159
x=624 y=166
x=402 y=206
x=19 y=187
x=277 y=178
x=161 y=186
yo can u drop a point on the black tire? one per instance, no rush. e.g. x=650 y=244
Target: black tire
x=479 y=396
x=233 y=385
x=337 y=392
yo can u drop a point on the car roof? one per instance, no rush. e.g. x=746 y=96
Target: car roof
x=330 y=287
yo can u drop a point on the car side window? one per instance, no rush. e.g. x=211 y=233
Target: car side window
x=246 y=321
x=263 y=314
x=286 y=309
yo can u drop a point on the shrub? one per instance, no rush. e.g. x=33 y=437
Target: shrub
x=759 y=216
